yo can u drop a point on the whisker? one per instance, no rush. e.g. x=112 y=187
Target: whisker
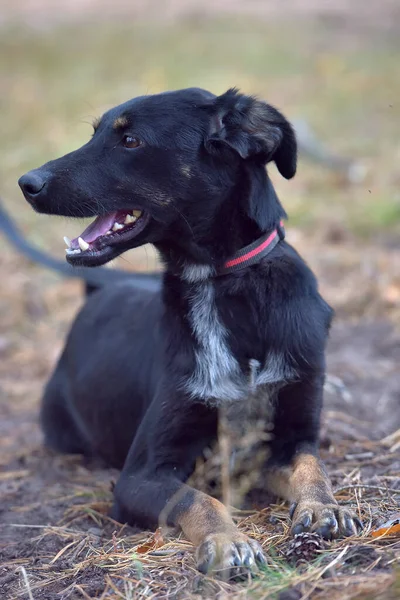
x=184 y=218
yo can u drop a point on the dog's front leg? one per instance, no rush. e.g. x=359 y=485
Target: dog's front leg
x=151 y=489
x=296 y=472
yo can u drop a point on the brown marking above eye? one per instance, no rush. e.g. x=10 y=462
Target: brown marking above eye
x=120 y=122
x=96 y=123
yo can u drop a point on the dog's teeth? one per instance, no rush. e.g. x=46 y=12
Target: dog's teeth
x=82 y=244
x=109 y=232
x=117 y=226
x=70 y=251
x=136 y=213
x=129 y=219
x=67 y=241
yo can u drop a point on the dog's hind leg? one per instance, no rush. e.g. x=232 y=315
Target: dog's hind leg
x=295 y=471
x=61 y=430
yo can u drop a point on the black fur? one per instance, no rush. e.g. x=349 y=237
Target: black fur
x=199 y=177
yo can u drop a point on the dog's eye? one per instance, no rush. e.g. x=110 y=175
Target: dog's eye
x=130 y=141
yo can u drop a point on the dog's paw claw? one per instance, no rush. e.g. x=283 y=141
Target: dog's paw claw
x=292 y=509
x=330 y=521
x=230 y=556
x=359 y=524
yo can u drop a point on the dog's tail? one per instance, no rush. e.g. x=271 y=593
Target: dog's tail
x=94 y=278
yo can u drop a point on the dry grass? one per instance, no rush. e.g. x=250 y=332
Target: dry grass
x=87 y=554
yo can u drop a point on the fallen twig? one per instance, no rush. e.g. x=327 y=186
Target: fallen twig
x=359 y=486
x=26 y=581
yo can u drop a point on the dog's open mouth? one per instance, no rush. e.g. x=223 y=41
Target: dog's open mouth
x=106 y=231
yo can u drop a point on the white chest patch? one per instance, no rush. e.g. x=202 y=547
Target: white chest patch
x=217 y=376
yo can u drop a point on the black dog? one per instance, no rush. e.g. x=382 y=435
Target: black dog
x=236 y=316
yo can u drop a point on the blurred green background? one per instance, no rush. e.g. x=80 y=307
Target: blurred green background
x=336 y=66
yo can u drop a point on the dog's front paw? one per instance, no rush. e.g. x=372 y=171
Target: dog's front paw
x=229 y=555
x=330 y=521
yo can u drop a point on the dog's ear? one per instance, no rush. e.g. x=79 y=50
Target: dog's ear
x=253 y=129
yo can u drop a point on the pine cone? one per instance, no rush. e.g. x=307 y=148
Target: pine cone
x=304 y=547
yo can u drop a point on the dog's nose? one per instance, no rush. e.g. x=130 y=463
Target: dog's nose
x=32 y=184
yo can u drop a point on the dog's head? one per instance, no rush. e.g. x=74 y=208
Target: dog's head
x=172 y=169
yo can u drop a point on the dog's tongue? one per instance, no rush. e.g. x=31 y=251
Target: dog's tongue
x=99 y=227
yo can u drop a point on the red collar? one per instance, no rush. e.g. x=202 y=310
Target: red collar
x=253 y=253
